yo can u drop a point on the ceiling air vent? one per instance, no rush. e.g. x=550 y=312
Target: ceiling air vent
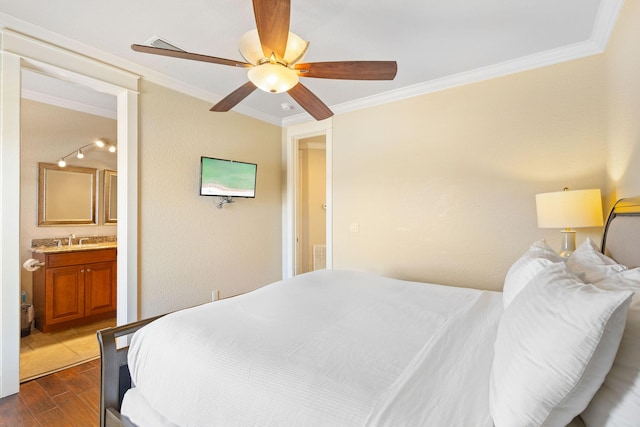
x=156 y=41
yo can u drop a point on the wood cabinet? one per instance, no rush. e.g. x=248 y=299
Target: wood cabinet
x=74 y=288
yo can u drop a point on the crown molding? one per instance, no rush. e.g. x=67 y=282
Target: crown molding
x=30 y=30
x=605 y=22
x=68 y=104
x=602 y=29
x=204 y=95
x=543 y=59
x=526 y=63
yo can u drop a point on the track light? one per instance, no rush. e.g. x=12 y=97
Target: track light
x=79 y=153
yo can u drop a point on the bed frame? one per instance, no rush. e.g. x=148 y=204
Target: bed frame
x=621 y=234
x=115 y=379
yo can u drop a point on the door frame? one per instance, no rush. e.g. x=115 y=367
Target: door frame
x=18 y=52
x=290 y=141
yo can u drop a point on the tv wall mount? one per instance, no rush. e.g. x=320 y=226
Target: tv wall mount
x=224 y=200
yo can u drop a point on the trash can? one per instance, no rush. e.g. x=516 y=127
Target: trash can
x=26 y=319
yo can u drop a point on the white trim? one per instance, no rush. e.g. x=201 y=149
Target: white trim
x=555 y=56
x=9 y=222
x=10 y=23
x=21 y=52
x=68 y=104
x=48 y=59
x=291 y=135
x=204 y=95
x=606 y=22
x=329 y=193
x=603 y=26
x=127 y=227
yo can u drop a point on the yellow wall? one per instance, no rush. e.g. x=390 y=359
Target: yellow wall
x=188 y=247
x=623 y=103
x=443 y=185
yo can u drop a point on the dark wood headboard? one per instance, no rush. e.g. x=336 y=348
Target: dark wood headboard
x=621 y=239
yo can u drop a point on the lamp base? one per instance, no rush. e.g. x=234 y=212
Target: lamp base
x=568 y=243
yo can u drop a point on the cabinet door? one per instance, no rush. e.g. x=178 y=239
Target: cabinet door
x=65 y=294
x=100 y=288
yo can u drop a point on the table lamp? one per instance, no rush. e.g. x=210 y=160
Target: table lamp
x=566 y=209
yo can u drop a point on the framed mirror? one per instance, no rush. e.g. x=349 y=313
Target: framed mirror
x=66 y=195
x=110 y=197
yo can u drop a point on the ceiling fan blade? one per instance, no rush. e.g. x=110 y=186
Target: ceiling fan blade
x=310 y=102
x=188 y=55
x=272 y=22
x=234 y=98
x=349 y=70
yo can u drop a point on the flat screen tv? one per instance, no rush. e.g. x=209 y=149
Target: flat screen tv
x=227 y=178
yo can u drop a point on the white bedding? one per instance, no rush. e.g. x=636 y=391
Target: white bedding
x=328 y=348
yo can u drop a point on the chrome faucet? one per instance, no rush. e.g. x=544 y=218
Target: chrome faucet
x=80 y=241
x=59 y=242
x=71 y=237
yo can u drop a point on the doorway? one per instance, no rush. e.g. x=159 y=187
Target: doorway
x=296 y=136
x=61 y=120
x=311 y=205
x=20 y=52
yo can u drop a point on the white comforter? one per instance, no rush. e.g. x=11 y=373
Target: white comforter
x=329 y=348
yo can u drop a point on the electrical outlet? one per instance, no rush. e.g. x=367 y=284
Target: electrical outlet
x=215 y=295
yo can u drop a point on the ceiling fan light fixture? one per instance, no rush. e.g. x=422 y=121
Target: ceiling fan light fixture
x=296 y=49
x=273 y=78
x=251 y=49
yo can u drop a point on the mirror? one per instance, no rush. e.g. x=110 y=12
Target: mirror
x=66 y=195
x=110 y=197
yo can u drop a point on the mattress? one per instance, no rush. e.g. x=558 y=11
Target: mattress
x=327 y=348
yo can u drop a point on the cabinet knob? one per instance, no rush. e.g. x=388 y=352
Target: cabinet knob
x=81 y=271
x=88 y=269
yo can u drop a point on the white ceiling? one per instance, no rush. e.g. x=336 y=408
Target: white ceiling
x=437 y=43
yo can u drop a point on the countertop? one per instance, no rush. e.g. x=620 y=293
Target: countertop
x=74 y=248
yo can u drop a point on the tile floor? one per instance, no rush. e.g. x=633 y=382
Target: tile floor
x=42 y=354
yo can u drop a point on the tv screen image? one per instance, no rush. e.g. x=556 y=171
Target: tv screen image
x=227 y=178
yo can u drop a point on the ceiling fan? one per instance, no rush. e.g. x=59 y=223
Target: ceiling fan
x=273 y=56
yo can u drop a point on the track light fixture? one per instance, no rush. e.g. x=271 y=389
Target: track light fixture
x=79 y=153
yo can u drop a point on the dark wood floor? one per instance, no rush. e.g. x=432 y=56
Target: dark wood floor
x=66 y=398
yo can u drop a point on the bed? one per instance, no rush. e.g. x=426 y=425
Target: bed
x=347 y=348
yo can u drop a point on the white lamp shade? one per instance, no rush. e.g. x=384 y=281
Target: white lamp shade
x=566 y=209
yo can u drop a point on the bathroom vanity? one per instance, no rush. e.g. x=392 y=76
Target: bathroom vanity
x=76 y=285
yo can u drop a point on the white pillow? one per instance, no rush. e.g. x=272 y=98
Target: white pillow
x=556 y=342
x=617 y=403
x=537 y=257
x=590 y=265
